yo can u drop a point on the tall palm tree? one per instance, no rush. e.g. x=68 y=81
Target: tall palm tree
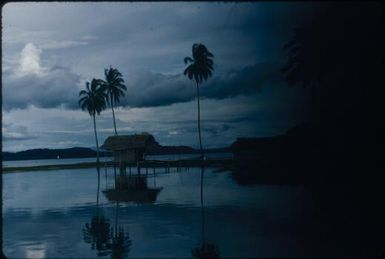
x=114 y=87
x=93 y=100
x=200 y=69
x=307 y=58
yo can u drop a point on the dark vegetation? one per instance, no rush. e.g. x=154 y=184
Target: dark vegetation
x=338 y=155
x=44 y=153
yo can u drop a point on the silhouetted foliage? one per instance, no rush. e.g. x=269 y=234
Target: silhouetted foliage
x=201 y=66
x=93 y=100
x=200 y=70
x=342 y=52
x=114 y=87
x=339 y=52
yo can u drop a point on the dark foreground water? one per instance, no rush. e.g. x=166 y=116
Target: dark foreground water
x=61 y=214
x=49 y=213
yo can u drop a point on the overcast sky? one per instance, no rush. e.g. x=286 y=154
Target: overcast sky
x=51 y=49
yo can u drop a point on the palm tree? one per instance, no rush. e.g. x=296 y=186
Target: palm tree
x=114 y=87
x=93 y=100
x=200 y=70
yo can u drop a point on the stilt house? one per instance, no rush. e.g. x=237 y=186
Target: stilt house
x=129 y=148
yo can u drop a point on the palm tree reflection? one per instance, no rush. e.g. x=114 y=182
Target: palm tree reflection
x=107 y=240
x=205 y=249
x=120 y=240
x=98 y=233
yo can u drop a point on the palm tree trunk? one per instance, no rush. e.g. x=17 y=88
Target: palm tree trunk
x=97 y=194
x=116 y=219
x=113 y=116
x=202 y=209
x=202 y=169
x=97 y=160
x=97 y=143
x=199 y=123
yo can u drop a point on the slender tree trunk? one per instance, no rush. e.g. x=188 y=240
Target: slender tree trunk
x=116 y=219
x=199 y=123
x=97 y=161
x=115 y=185
x=97 y=143
x=202 y=168
x=113 y=116
x=97 y=194
x=202 y=208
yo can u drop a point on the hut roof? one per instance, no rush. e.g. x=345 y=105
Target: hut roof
x=128 y=142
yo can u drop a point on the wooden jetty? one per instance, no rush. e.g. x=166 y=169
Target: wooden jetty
x=144 y=165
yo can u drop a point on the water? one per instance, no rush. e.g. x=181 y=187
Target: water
x=46 y=212
x=22 y=163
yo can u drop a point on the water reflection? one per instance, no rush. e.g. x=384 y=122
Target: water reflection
x=98 y=234
x=107 y=240
x=132 y=188
x=260 y=218
x=120 y=240
x=205 y=249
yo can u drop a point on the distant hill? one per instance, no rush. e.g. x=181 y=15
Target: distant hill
x=44 y=153
x=81 y=152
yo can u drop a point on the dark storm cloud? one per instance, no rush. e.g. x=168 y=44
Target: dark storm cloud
x=58 y=88
x=151 y=90
x=238 y=34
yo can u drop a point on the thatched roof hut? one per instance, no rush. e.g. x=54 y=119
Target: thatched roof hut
x=138 y=141
x=130 y=148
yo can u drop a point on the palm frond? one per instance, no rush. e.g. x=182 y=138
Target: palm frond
x=201 y=66
x=188 y=60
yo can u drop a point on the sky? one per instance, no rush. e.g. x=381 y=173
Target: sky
x=49 y=51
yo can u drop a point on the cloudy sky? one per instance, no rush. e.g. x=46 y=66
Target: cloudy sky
x=51 y=49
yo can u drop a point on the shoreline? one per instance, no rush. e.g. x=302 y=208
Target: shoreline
x=145 y=164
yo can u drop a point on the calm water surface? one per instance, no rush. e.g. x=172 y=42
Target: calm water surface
x=21 y=163
x=46 y=214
